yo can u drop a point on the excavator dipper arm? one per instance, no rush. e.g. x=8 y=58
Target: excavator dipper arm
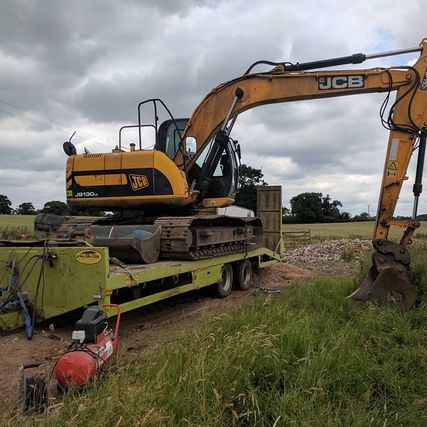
x=407 y=120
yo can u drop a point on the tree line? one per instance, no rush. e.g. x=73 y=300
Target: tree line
x=308 y=207
x=27 y=208
x=305 y=207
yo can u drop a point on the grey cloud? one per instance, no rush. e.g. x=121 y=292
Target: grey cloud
x=181 y=72
x=20 y=186
x=346 y=137
x=87 y=65
x=180 y=7
x=38 y=153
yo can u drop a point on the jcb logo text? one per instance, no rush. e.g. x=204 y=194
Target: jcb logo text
x=341 y=82
x=138 y=182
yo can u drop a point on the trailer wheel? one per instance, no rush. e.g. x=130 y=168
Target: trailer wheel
x=224 y=286
x=243 y=275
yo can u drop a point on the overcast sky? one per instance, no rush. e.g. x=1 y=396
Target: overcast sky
x=84 y=65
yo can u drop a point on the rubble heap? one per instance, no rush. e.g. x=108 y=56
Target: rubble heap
x=328 y=253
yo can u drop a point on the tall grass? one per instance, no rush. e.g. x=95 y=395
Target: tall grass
x=310 y=357
x=15 y=232
x=16 y=226
x=18 y=232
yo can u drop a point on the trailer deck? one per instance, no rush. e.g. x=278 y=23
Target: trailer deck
x=39 y=283
x=57 y=280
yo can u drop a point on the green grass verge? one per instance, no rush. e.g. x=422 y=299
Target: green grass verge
x=310 y=357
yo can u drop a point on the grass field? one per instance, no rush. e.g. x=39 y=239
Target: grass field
x=309 y=357
x=349 y=230
x=17 y=221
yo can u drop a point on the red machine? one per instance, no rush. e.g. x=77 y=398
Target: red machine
x=93 y=345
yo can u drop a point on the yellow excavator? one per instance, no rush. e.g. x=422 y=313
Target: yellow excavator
x=194 y=168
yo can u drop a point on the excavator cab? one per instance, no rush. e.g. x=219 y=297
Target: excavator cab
x=224 y=181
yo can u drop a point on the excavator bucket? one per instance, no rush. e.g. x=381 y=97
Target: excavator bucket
x=387 y=280
x=391 y=287
x=129 y=243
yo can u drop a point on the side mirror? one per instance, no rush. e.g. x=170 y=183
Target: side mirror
x=69 y=148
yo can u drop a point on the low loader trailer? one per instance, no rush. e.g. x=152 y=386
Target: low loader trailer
x=39 y=283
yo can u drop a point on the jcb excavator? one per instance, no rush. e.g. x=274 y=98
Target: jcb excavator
x=176 y=186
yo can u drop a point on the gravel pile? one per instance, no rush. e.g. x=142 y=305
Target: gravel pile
x=329 y=252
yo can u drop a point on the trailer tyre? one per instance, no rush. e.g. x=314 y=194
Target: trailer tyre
x=224 y=286
x=243 y=275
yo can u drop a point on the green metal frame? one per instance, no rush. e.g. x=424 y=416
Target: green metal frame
x=72 y=282
x=204 y=273
x=65 y=286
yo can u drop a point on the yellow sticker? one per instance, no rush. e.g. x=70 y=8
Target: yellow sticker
x=88 y=256
x=392 y=167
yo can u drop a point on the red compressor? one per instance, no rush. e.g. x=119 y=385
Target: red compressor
x=93 y=344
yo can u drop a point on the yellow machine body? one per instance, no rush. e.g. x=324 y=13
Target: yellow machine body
x=125 y=179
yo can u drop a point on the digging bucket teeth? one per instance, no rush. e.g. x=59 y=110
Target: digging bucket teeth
x=387 y=280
